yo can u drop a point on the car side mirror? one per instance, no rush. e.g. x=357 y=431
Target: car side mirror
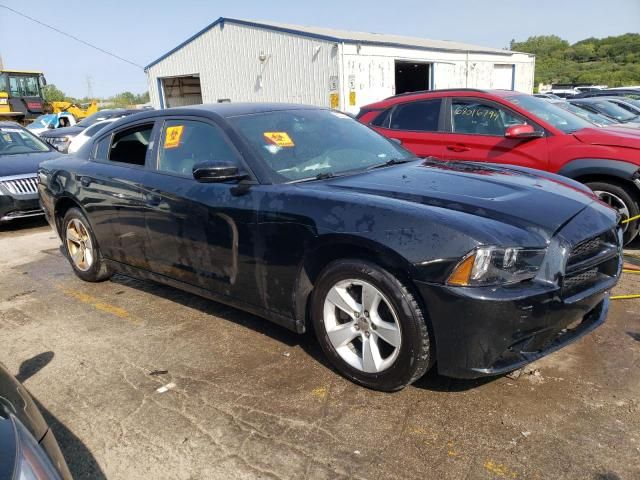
x=217 y=172
x=522 y=132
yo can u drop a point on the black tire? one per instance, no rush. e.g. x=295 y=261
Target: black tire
x=415 y=355
x=629 y=198
x=98 y=270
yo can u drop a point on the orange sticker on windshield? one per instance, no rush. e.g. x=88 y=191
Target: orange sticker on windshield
x=281 y=139
x=172 y=136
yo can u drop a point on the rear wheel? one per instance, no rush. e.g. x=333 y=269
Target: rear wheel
x=622 y=199
x=370 y=326
x=82 y=249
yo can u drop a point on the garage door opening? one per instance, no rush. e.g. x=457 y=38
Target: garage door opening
x=503 y=77
x=181 y=91
x=412 y=77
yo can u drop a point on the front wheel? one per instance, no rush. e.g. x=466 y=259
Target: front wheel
x=370 y=326
x=82 y=248
x=620 y=198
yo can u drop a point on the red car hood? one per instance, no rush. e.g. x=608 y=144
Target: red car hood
x=610 y=136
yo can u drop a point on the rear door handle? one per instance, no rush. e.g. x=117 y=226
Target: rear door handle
x=153 y=200
x=458 y=148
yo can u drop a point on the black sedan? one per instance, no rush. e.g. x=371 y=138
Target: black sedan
x=310 y=219
x=20 y=154
x=60 y=138
x=28 y=449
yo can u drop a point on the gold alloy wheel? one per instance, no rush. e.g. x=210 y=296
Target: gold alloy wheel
x=79 y=245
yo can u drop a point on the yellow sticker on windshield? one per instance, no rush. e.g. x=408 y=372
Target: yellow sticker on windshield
x=172 y=136
x=281 y=139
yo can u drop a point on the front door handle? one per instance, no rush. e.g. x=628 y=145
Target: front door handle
x=85 y=181
x=458 y=148
x=153 y=200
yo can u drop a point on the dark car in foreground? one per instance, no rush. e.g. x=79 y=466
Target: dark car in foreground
x=60 y=138
x=508 y=127
x=28 y=448
x=20 y=154
x=312 y=220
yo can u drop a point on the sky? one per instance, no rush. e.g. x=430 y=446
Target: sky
x=143 y=30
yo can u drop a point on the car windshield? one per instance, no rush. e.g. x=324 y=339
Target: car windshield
x=592 y=117
x=98 y=117
x=613 y=110
x=15 y=140
x=43 y=121
x=550 y=113
x=305 y=144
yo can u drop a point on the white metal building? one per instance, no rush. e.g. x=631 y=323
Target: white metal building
x=239 y=60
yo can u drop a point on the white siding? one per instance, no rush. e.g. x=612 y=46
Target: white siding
x=297 y=69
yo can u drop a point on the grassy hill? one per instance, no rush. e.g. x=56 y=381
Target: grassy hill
x=612 y=61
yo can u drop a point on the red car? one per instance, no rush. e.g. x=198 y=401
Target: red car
x=502 y=126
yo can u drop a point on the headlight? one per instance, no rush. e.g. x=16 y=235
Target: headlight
x=486 y=266
x=31 y=462
x=59 y=140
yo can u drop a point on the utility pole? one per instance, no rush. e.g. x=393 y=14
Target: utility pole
x=89 y=87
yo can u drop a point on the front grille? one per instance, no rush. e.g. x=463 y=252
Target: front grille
x=591 y=262
x=24 y=185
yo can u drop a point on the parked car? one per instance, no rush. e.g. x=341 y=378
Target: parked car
x=61 y=138
x=509 y=127
x=611 y=109
x=20 y=154
x=310 y=219
x=628 y=104
x=593 y=117
x=28 y=448
x=84 y=136
x=631 y=92
x=51 y=121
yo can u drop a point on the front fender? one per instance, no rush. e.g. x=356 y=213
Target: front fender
x=585 y=167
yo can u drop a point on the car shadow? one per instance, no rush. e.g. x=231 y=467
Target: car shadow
x=634 y=335
x=80 y=460
x=307 y=341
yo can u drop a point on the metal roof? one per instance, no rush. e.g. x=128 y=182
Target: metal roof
x=346 y=36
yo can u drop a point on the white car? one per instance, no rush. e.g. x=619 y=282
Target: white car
x=82 y=138
x=51 y=121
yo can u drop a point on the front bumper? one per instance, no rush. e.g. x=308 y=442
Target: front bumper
x=481 y=332
x=19 y=207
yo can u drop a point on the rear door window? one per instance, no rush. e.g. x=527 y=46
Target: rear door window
x=422 y=116
x=131 y=145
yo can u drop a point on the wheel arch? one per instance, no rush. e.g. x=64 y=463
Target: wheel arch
x=593 y=169
x=336 y=247
x=62 y=206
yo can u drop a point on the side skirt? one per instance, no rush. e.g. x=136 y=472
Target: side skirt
x=128 y=270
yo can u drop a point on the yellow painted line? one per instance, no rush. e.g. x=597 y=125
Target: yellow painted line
x=499 y=469
x=624 y=297
x=633 y=272
x=320 y=392
x=99 y=304
x=631 y=219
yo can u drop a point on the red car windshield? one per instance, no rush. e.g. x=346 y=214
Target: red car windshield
x=561 y=119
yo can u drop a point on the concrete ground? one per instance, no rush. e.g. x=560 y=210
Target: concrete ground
x=247 y=399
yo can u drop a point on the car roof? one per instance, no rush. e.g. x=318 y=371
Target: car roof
x=424 y=94
x=4 y=123
x=225 y=110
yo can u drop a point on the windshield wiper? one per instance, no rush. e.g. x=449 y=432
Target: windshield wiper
x=393 y=161
x=320 y=176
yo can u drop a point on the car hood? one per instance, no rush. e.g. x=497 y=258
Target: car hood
x=24 y=163
x=541 y=203
x=62 y=132
x=612 y=136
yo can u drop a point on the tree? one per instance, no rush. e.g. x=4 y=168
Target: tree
x=51 y=93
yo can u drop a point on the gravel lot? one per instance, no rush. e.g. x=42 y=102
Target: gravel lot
x=248 y=399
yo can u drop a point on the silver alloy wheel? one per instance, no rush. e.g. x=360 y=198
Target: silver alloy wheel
x=362 y=325
x=79 y=245
x=616 y=203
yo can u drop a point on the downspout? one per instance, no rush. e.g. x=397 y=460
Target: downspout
x=341 y=79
